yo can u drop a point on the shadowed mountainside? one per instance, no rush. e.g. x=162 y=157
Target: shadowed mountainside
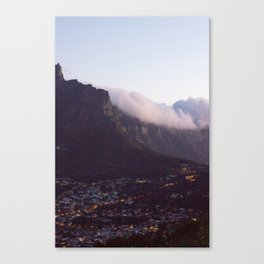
x=94 y=139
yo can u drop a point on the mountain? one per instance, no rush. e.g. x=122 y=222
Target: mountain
x=192 y=144
x=94 y=139
x=197 y=108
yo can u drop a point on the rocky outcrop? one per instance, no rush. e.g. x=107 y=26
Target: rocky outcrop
x=95 y=139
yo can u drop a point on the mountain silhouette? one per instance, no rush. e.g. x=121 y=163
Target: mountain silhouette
x=96 y=140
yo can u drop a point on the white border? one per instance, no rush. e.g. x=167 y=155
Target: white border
x=27 y=131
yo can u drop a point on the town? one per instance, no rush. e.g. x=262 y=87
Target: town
x=91 y=214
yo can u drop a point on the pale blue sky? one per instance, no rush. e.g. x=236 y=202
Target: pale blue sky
x=164 y=58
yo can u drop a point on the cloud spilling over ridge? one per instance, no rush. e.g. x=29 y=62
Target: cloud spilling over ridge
x=139 y=106
x=198 y=108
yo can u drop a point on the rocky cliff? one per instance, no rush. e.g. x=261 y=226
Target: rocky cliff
x=95 y=139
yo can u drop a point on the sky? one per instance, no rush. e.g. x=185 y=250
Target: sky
x=164 y=58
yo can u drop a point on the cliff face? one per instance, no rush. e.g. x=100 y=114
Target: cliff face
x=95 y=138
x=81 y=106
x=181 y=143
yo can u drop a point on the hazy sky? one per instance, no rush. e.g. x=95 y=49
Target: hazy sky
x=164 y=58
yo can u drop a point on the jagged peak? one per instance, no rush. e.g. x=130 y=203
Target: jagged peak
x=59 y=74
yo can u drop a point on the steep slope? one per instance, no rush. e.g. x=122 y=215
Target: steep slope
x=182 y=143
x=92 y=143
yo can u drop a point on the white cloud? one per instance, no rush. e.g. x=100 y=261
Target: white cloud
x=198 y=108
x=141 y=107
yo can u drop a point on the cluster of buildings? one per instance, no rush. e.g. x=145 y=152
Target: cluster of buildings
x=90 y=214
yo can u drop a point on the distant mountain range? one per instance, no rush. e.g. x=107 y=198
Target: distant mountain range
x=95 y=139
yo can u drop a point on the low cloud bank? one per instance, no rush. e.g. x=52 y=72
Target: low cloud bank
x=189 y=114
x=198 y=108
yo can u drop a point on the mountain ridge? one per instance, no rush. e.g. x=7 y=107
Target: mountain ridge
x=95 y=138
